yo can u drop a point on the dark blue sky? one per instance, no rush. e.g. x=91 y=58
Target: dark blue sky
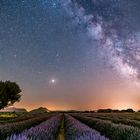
x=87 y=47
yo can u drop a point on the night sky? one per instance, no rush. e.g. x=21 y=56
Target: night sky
x=72 y=54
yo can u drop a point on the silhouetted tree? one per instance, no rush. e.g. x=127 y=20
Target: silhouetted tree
x=129 y=110
x=104 y=110
x=116 y=111
x=9 y=93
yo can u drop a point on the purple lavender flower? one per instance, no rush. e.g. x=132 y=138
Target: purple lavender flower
x=45 y=131
x=76 y=130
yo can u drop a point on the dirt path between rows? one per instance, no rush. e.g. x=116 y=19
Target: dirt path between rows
x=61 y=135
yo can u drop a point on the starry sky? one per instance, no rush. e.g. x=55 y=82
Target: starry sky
x=72 y=54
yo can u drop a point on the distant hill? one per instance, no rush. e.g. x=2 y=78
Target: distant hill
x=39 y=110
x=13 y=109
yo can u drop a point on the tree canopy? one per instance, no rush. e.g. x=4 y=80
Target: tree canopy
x=9 y=93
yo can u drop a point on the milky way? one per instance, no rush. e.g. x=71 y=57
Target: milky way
x=72 y=54
x=108 y=23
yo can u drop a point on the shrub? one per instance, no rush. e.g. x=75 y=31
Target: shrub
x=17 y=127
x=45 y=131
x=76 y=130
x=111 y=130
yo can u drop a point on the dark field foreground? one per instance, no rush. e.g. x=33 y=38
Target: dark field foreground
x=70 y=126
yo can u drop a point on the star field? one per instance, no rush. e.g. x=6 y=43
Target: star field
x=60 y=50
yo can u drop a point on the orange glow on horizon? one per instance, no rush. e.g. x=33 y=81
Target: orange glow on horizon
x=115 y=98
x=119 y=106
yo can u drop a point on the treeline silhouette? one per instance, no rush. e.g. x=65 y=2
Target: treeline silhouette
x=129 y=110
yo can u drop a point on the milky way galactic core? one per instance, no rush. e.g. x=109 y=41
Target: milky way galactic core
x=114 y=27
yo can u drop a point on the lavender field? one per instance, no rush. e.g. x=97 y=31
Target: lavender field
x=73 y=126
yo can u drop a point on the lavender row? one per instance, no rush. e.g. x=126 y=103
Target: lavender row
x=17 y=127
x=45 y=131
x=130 y=116
x=75 y=130
x=19 y=118
x=134 y=123
x=111 y=130
x=127 y=119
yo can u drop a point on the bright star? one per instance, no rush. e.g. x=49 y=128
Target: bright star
x=53 y=81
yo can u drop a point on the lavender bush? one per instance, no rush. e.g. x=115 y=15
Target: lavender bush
x=129 y=116
x=117 y=119
x=17 y=127
x=111 y=130
x=76 y=130
x=134 y=123
x=45 y=131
